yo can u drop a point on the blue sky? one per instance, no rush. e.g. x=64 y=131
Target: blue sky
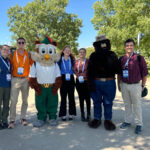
x=83 y=8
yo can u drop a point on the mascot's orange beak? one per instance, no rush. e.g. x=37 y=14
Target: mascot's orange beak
x=47 y=56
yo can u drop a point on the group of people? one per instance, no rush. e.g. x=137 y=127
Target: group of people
x=95 y=78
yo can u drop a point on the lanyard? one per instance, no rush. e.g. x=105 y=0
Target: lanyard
x=127 y=62
x=82 y=66
x=24 y=58
x=8 y=66
x=65 y=65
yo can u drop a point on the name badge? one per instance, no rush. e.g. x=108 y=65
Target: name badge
x=125 y=73
x=8 y=77
x=20 y=70
x=81 y=79
x=67 y=76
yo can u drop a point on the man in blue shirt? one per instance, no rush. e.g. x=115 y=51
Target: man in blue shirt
x=5 y=82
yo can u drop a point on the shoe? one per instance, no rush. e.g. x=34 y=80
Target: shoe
x=138 y=129
x=88 y=118
x=125 y=125
x=82 y=117
x=70 y=117
x=109 y=125
x=63 y=118
x=94 y=123
x=5 y=125
x=23 y=122
x=1 y=127
x=53 y=122
x=11 y=125
x=38 y=123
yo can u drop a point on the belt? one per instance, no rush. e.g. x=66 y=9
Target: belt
x=105 y=79
x=46 y=85
x=132 y=83
x=21 y=77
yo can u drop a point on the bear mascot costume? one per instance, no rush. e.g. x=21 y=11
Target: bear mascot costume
x=102 y=67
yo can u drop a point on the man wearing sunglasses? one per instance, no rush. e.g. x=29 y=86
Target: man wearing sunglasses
x=21 y=61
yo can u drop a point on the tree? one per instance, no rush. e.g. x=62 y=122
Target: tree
x=123 y=19
x=42 y=17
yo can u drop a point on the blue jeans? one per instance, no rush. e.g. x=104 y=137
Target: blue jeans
x=105 y=93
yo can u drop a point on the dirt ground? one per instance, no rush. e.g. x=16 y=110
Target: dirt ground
x=76 y=135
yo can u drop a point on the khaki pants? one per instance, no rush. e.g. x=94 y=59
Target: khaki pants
x=131 y=94
x=19 y=84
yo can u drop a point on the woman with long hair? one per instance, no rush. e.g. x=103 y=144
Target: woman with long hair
x=66 y=63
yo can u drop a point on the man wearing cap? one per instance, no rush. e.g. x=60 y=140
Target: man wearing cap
x=102 y=67
x=20 y=60
x=134 y=69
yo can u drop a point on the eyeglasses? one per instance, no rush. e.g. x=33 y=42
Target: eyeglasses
x=21 y=43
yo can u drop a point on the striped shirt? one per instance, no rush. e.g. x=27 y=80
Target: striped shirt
x=136 y=68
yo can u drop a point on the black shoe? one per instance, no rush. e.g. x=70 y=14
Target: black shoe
x=63 y=118
x=109 y=125
x=94 y=123
x=82 y=117
x=88 y=118
x=5 y=125
x=138 y=129
x=70 y=117
x=1 y=127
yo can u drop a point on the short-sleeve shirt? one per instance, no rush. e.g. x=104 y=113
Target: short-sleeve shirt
x=45 y=74
x=21 y=63
x=136 y=68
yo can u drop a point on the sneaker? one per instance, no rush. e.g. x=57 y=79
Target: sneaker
x=70 y=117
x=23 y=122
x=38 y=123
x=138 y=129
x=53 y=122
x=125 y=125
x=94 y=123
x=63 y=118
x=5 y=125
x=11 y=125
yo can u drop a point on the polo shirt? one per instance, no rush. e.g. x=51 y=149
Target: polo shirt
x=23 y=61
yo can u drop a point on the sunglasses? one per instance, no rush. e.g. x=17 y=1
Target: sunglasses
x=21 y=43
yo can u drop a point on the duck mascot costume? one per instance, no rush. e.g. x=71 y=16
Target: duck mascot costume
x=45 y=79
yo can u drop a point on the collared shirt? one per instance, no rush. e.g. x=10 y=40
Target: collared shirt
x=22 y=61
x=78 y=69
x=3 y=72
x=136 y=69
x=66 y=66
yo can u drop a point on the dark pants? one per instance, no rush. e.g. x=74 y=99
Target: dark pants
x=67 y=89
x=83 y=92
x=105 y=93
x=4 y=99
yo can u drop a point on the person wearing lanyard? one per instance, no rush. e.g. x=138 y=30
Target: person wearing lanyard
x=68 y=84
x=133 y=71
x=80 y=69
x=5 y=83
x=20 y=61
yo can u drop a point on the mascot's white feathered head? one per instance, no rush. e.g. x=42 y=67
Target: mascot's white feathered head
x=45 y=52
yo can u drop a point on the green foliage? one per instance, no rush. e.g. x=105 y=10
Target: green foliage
x=89 y=51
x=123 y=19
x=42 y=17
